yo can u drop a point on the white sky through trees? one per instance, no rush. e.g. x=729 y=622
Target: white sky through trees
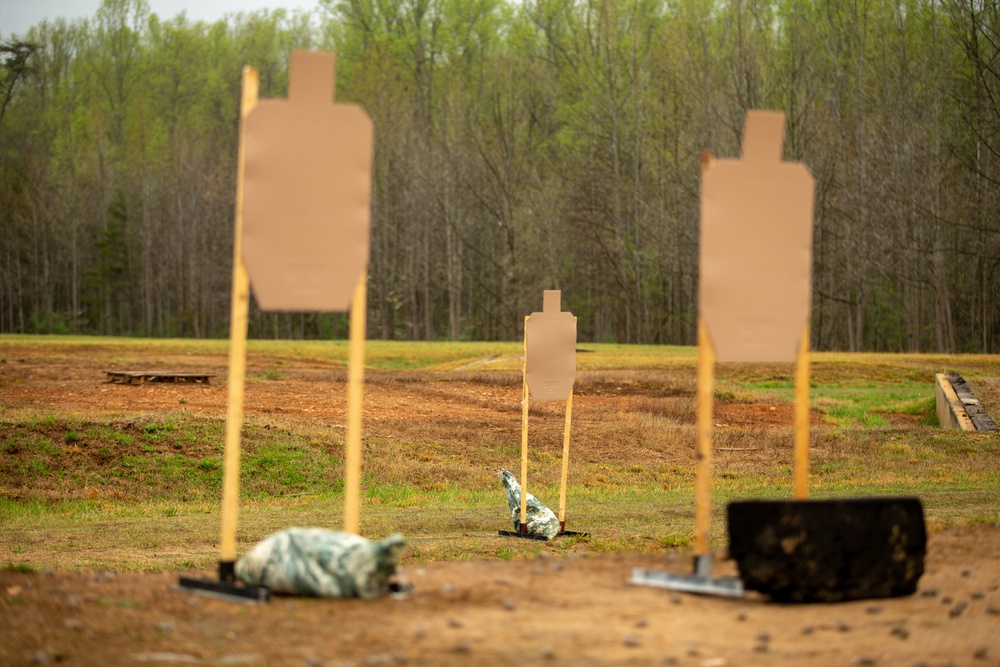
x=17 y=16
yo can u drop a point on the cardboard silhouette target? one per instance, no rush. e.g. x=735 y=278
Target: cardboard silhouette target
x=756 y=247
x=548 y=375
x=550 y=341
x=307 y=203
x=754 y=302
x=303 y=200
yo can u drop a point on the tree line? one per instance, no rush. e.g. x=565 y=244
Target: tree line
x=520 y=146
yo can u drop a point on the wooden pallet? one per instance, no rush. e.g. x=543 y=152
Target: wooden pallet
x=142 y=377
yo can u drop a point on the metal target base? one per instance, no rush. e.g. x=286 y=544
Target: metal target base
x=539 y=538
x=523 y=536
x=700 y=582
x=227 y=586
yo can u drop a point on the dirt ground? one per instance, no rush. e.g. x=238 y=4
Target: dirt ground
x=314 y=391
x=555 y=611
x=573 y=610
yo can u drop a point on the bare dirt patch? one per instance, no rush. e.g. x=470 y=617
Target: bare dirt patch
x=560 y=611
x=78 y=384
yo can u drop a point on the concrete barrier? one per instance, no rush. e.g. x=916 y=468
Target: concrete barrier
x=950 y=411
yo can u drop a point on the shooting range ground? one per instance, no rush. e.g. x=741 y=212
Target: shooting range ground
x=109 y=491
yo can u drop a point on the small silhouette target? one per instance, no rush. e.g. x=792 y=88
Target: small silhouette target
x=550 y=350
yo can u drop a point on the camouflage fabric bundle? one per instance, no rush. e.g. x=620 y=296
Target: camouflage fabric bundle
x=321 y=563
x=542 y=521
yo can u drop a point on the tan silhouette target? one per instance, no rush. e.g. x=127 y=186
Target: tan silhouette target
x=303 y=194
x=550 y=350
x=756 y=247
x=549 y=374
x=307 y=198
x=754 y=300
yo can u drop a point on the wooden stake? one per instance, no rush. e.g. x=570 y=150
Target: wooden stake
x=355 y=385
x=801 y=463
x=705 y=413
x=703 y=472
x=524 y=433
x=565 y=461
x=239 y=309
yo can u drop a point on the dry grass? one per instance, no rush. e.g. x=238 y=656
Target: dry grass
x=988 y=392
x=139 y=489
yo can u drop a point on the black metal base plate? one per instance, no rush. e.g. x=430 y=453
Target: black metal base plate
x=226 y=589
x=523 y=536
x=539 y=538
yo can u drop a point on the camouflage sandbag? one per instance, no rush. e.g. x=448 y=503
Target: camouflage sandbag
x=542 y=522
x=321 y=563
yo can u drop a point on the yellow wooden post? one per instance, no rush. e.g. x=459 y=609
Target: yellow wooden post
x=703 y=471
x=565 y=462
x=801 y=462
x=239 y=309
x=524 y=433
x=355 y=385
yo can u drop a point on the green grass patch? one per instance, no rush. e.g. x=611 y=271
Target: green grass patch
x=861 y=402
x=20 y=568
x=166 y=457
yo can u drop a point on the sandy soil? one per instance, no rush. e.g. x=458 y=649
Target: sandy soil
x=574 y=611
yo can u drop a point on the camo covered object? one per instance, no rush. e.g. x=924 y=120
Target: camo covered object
x=322 y=563
x=542 y=521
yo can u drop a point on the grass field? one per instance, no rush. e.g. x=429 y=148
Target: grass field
x=137 y=487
